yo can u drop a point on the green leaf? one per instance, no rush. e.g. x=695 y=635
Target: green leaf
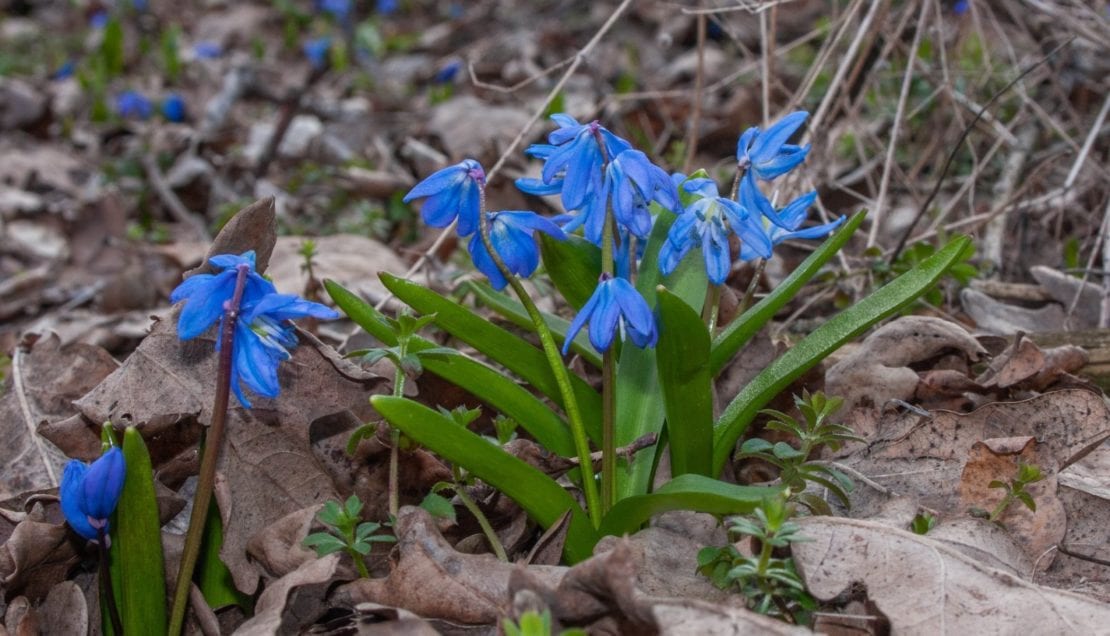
x=574 y=265
x=998 y=484
x=490 y=386
x=212 y=577
x=515 y=354
x=511 y=309
x=688 y=492
x=640 y=408
x=823 y=341
x=438 y=506
x=1026 y=499
x=137 y=544
x=324 y=543
x=756 y=445
x=682 y=360
x=740 y=331
x=540 y=496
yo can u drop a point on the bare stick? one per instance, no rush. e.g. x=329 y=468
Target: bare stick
x=173 y=204
x=578 y=58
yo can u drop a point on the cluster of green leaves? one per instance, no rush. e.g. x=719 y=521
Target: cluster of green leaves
x=815 y=432
x=346 y=532
x=770 y=583
x=535 y=624
x=1015 y=489
x=962 y=270
x=665 y=391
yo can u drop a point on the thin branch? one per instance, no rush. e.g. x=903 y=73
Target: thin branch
x=28 y=419
x=173 y=204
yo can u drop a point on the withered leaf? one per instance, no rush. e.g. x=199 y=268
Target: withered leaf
x=268 y=611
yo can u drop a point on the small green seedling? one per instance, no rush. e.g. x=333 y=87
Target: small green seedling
x=1015 y=490
x=346 y=533
x=922 y=523
x=535 y=624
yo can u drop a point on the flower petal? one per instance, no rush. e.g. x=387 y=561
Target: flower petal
x=440 y=180
x=103 y=484
x=71 y=491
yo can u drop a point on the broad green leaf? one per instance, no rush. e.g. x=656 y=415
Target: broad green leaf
x=137 y=544
x=688 y=492
x=511 y=309
x=682 y=360
x=540 y=496
x=740 y=330
x=493 y=388
x=640 y=407
x=574 y=265
x=827 y=338
x=500 y=345
x=212 y=576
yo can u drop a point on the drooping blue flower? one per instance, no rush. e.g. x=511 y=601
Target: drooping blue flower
x=207 y=50
x=624 y=258
x=338 y=9
x=263 y=338
x=512 y=235
x=452 y=192
x=133 y=105
x=447 y=73
x=89 y=494
x=64 y=71
x=635 y=182
x=173 y=108
x=707 y=223
x=316 y=50
x=786 y=221
x=614 y=303
x=766 y=153
x=206 y=294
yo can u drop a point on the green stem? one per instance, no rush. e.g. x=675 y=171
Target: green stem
x=206 y=479
x=711 y=308
x=106 y=583
x=608 y=432
x=394 y=445
x=360 y=563
x=483 y=521
x=555 y=362
x=749 y=293
x=998 y=511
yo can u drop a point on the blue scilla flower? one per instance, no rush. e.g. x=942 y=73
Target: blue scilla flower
x=338 y=9
x=173 y=108
x=766 y=153
x=615 y=303
x=624 y=258
x=635 y=182
x=452 y=192
x=99 y=19
x=206 y=294
x=89 y=494
x=133 y=105
x=707 y=223
x=512 y=235
x=207 y=50
x=386 y=7
x=316 y=50
x=263 y=338
x=65 y=71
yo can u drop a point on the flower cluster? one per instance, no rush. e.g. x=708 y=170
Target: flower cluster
x=89 y=493
x=263 y=335
x=709 y=219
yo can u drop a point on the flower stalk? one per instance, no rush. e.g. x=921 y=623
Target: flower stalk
x=106 y=582
x=395 y=439
x=206 y=478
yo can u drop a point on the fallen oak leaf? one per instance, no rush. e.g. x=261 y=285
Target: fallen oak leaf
x=271 y=604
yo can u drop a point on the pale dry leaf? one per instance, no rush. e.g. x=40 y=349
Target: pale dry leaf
x=925 y=587
x=278 y=547
x=999 y=318
x=36 y=556
x=682 y=617
x=983 y=541
x=252 y=228
x=661 y=560
x=352 y=261
x=271 y=604
x=65 y=610
x=1063 y=288
x=879 y=371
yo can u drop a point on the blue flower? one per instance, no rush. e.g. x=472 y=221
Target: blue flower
x=447 y=72
x=316 y=50
x=64 y=71
x=614 y=303
x=766 y=153
x=452 y=192
x=707 y=223
x=132 y=104
x=263 y=337
x=339 y=9
x=635 y=182
x=206 y=294
x=89 y=494
x=386 y=7
x=99 y=19
x=511 y=234
x=173 y=108
x=785 y=222
x=207 y=50
x=961 y=7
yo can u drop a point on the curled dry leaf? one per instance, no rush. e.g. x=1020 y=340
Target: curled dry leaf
x=252 y=228
x=271 y=605
x=879 y=370
x=998 y=460
x=65 y=611
x=999 y=318
x=36 y=556
x=925 y=587
x=371 y=619
x=277 y=548
x=1063 y=288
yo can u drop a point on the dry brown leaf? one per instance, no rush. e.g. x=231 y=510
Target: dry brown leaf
x=278 y=547
x=879 y=371
x=36 y=556
x=679 y=617
x=44 y=381
x=252 y=228
x=350 y=260
x=1085 y=493
x=661 y=561
x=271 y=605
x=371 y=619
x=1063 y=288
x=65 y=611
x=925 y=587
x=470 y=588
x=983 y=541
x=1002 y=319
x=998 y=460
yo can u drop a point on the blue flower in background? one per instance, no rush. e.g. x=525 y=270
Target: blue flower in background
x=206 y=294
x=263 y=337
x=615 y=302
x=452 y=192
x=339 y=9
x=386 y=7
x=64 y=71
x=766 y=153
x=207 y=50
x=707 y=223
x=173 y=108
x=316 y=50
x=512 y=236
x=961 y=7
x=89 y=494
x=133 y=105
x=447 y=72
x=635 y=182
x=99 y=20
